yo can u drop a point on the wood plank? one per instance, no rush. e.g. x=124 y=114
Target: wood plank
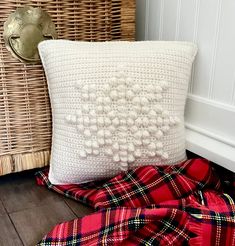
x=8 y=235
x=2 y=209
x=78 y=208
x=20 y=191
x=32 y=224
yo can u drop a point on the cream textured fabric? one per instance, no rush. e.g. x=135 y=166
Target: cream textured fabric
x=115 y=105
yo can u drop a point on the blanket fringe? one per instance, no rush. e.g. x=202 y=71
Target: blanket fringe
x=195 y=227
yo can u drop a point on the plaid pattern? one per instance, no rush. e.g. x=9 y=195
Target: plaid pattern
x=151 y=205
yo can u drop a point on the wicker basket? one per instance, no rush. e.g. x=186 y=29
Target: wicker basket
x=25 y=115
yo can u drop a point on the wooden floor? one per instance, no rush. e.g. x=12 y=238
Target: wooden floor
x=28 y=212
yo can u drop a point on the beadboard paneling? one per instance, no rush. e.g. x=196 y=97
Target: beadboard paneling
x=205 y=38
x=154 y=19
x=224 y=72
x=188 y=20
x=204 y=22
x=210 y=108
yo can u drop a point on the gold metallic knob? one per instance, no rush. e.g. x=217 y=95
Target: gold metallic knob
x=25 y=29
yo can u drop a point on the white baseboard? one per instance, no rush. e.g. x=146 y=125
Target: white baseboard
x=211 y=149
x=211 y=118
x=210 y=130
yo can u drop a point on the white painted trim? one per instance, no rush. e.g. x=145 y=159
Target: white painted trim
x=195 y=37
x=211 y=118
x=146 y=35
x=210 y=130
x=161 y=20
x=233 y=92
x=211 y=149
x=209 y=134
x=178 y=18
x=210 y=102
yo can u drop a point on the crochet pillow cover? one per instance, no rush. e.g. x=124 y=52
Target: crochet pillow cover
x=115 y=105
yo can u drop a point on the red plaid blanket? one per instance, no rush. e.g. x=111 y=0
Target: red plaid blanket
x=151 y=205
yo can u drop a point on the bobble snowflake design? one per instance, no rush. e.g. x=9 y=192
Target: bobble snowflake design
x=122 y=119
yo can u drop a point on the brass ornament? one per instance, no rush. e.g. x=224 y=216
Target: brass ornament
x=24 y=29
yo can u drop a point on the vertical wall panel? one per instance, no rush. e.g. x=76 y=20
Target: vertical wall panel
x=205 y=40
x=233 y=91
x=169 y=19
x=178 y=18
x=188 y=26
x=224 y=73
x=141 y=19
x=154 y=19
x=187 y=20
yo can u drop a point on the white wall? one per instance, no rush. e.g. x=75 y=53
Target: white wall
x=210 y=110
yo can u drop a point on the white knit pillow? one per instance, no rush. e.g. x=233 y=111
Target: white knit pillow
x=115 y=105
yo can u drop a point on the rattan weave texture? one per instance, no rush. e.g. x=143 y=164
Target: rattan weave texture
x=25 y=115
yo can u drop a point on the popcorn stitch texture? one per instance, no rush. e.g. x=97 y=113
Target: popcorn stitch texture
x=126 y=122
x=115 y=106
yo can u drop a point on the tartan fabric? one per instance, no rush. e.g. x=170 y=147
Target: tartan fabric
x=151 y=205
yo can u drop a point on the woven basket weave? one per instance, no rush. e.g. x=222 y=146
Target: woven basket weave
x=25 y=115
